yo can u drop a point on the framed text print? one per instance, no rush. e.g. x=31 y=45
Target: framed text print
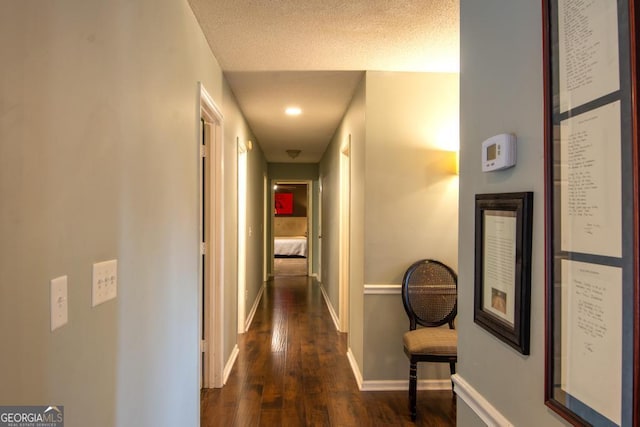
x=591 y=211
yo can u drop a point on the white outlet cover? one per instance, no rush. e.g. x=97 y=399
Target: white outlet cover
x=104 y=282
x=59 y=302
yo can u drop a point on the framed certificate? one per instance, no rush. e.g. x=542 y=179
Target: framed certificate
x=503 y=266
x=591 y=211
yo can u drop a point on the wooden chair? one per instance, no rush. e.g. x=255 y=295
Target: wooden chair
x=429 y=295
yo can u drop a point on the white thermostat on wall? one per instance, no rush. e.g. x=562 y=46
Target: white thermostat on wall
x=499 y=152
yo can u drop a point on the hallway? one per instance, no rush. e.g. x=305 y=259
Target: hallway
x=292 y=370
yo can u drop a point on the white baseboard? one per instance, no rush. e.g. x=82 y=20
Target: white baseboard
x=327 y=301
x=395 y=385
x=355 y=368
x=392 y=385
x=229 y=365
x=254 y=308
x=478 y=404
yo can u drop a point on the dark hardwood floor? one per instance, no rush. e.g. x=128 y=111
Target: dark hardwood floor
x=292 y=370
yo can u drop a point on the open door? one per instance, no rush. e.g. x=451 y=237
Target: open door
x=205 y=271
x=210 y=254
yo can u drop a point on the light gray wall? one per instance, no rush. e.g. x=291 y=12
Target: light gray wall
x=293 y=171
x=466 y=417
x=99 y=160
x=355 y=125
x=257 y=172
x=501 y=90
x=330 y=182
x=232 y=128
x=352 y=126
x=411 y=202
x=236 y=129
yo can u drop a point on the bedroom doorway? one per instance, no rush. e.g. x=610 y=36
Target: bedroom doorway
x=291 y=225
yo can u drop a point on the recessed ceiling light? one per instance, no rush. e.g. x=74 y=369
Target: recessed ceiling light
x=293 y=111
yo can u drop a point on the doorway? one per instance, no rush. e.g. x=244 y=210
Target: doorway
x=318 y=221
x=291 y=221
x=210 y=243
x=344 y=234
x=242 y=234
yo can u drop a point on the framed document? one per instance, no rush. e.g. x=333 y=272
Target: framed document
x=503 y=266
x=592 y=327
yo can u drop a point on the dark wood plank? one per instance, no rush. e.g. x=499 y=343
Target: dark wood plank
x=292 y=370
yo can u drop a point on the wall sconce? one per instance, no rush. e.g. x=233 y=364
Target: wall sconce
x=452 y=162
x=293 y=153
x=244 y=147
x=457 y=169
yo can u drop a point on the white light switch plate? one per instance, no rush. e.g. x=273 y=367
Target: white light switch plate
x=105 y=282
x=59 y=302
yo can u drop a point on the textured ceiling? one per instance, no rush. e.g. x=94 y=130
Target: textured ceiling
x=311 y=53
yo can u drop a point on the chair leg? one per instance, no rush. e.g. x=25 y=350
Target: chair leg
x=413 y=385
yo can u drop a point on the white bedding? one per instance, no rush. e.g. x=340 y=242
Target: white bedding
x=290 y=246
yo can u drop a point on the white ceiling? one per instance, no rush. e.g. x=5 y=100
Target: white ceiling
x=312 y=53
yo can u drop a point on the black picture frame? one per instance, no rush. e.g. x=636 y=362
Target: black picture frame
x=590 y=94
x=503 y=266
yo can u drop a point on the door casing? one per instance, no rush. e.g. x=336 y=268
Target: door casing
x=210 y=300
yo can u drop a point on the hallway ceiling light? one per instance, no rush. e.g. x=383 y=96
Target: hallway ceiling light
x=293 y=111
x=293 y=153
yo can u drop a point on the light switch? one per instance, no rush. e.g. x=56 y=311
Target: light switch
x=59 y=302
x=104 y=282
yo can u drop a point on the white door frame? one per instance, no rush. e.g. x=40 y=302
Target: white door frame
x=345 y=234
x=213 y=293
x=319 y=222
x=242 y=234
x=265 y=219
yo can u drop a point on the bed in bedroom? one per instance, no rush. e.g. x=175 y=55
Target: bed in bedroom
x=290 y=239
x=290 y=246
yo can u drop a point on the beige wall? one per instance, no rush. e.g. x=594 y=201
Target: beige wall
x=404 y=198
x=99 y=160
x=235 y=130
x=351 y=127
x=330 y=182
x=355 y=125
x=257 y=172
x=411 y=202
x=501 y=90
x=232 y=128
